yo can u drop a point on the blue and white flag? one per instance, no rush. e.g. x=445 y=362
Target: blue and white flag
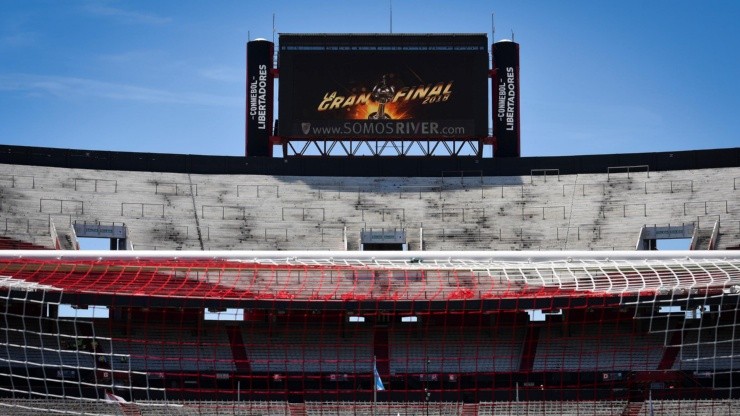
x=378 y=381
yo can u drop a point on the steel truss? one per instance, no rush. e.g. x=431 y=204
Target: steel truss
x=329 y=147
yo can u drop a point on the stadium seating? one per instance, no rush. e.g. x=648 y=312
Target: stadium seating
x=710 y=349
x=160 y=349
x=312 y=350
x=596 y=347
x=458 y=351
x=691 y=407
x=578 y=333
x=545 y=408
x=181 y=211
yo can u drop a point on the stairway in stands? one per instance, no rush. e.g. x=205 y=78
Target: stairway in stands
x=702 y=239
x=632 y=409
x=530 y=348
x=671 y=352
x=297 y=409
x=469 y=409
x=380 y=349
x=238 y=350
x=66 y=239
x=129 y=409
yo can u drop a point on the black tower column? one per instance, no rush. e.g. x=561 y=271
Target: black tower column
x=506 y=99
x=259 y=98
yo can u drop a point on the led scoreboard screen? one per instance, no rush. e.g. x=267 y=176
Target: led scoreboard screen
x=383 y=86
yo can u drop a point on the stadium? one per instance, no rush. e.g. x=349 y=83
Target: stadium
x=317 y=284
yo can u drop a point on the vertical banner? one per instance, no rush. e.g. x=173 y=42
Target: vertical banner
x=506 y=98
x=259 y=98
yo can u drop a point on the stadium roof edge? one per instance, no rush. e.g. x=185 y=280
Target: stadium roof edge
x=382 y=34
x=362 y=166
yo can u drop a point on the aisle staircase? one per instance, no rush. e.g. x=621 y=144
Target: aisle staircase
x=241 y=359
x=297 y=409
x=380 y=349
x=633 y=409
x=469 y=409
x=529 y=350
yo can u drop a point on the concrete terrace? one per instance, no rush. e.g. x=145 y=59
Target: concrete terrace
x=540 y=211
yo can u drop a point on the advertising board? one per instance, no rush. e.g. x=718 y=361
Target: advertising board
x=259 y=97
x=387 y=90
x=506 y=98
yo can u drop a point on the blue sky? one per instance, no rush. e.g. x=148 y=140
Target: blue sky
x=168 y=76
